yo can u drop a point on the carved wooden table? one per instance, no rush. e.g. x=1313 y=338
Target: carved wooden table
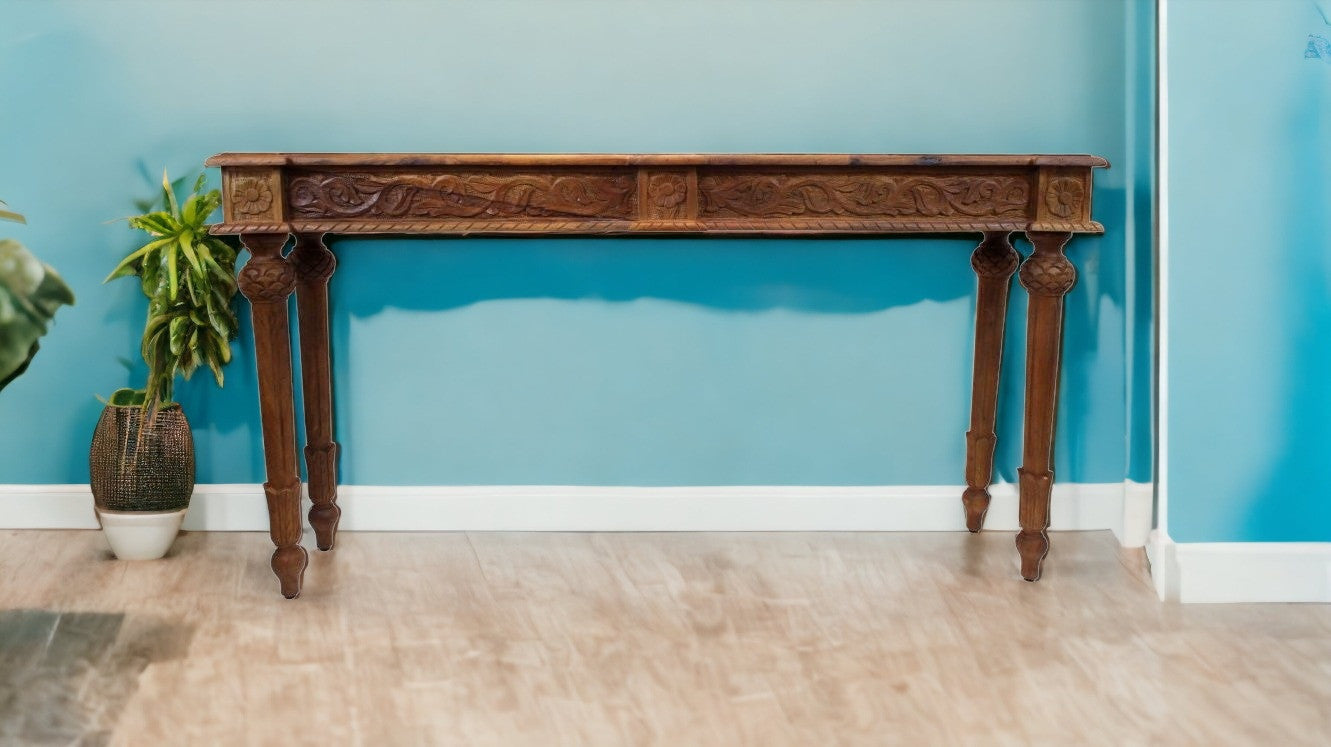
x=271 y=196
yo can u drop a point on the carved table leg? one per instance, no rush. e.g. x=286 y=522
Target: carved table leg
x=994 y=261
x=314 y=265
x=1047 y=276
x=267 y=281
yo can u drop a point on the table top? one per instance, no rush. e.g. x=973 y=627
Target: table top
x=652 y=159
x=774 y=194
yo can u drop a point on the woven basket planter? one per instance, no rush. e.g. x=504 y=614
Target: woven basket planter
x=152 y=472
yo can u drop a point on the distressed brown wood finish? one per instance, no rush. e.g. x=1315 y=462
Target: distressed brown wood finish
x=269 y=196
x=314 y=265
x=1047 y=276
x=267 y=281
x=994 y=261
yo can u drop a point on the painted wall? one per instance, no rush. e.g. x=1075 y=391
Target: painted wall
x=1249 y=262
x=575 y=361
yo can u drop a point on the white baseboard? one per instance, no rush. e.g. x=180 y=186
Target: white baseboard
x=1211 y=572
x=1134 y=527
x=1164 y=569
x=241 y=507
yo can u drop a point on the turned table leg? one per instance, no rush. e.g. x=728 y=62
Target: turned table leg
x=267 y=281
x=994 y=261
x=1047 y=276
x=314 y=265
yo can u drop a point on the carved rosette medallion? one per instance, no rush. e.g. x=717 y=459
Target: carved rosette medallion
x=1065 y=197
x=475 y=194
x=749 y=194
x=251 y=195
x=1048 y=274
x=267 y=279
x=667 y=193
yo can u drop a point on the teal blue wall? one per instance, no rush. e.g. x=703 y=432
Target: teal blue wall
x=578 y=361
x=1249 y=260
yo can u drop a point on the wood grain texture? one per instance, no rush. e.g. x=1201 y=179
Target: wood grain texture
x=768 y=194
x=314 y=265
x=652 y=159
x=613 y=639
x=267 y=280
x=994 y=262
x=1047 y=276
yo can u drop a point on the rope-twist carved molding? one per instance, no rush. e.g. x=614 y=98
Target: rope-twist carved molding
x=267 y=279
x=619 y=226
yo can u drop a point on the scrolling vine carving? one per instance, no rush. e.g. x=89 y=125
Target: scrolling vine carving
x=750 y=194
x=463 y=194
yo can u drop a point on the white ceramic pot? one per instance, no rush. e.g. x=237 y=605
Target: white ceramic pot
x=140 y=535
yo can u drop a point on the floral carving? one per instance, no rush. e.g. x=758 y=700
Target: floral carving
x=251 y=195
x=1065 y=196
x=749 y=194
x=666 y=193
x=267 y=280
x=424 y=195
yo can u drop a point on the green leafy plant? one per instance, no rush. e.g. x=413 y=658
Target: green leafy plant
x=30 y=293
x=189 y=278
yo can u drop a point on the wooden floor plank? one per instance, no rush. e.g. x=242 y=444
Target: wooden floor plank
x=641 y=638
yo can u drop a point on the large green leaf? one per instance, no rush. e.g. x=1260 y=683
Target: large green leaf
x=158 y=224
x=30 y=294
x=172 y=274
x=169 y=192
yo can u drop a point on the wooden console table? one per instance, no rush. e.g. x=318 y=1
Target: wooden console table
x=270 y=196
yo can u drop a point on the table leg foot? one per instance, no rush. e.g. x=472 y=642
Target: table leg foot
x=321 y=461
x=976 y=502
x=289 y=564
x=1033 y=539
x=1032 y=547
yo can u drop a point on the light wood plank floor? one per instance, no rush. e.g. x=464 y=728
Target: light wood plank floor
x=676 y=639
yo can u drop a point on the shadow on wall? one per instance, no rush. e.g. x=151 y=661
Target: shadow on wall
x=737 y=275
x=746 y=275
x=815 y=275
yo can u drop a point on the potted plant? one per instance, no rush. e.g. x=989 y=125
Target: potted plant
x=142 y=458
x=30 y=294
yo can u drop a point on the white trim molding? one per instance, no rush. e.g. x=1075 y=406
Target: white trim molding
x=1134 y=527
x=1123 y=508
x=1210 y=572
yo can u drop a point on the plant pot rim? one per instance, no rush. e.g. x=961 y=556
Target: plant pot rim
x=118 y=512
x=163 y=408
